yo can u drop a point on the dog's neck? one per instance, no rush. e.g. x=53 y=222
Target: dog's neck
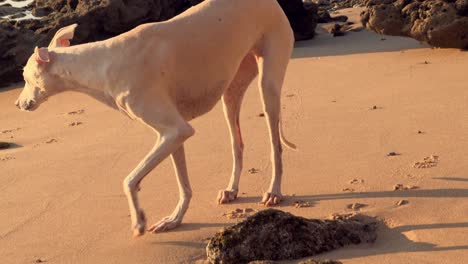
x=82 y=69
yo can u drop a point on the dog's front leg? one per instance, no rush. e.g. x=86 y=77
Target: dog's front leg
x=171 y=140
x=185 y=194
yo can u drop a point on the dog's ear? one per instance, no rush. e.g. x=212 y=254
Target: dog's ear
x=42 y=55
x=63 y=36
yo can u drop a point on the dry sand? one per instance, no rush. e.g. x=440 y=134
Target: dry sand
x=62 y=201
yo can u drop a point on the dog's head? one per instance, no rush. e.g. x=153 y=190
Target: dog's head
x=38 y=83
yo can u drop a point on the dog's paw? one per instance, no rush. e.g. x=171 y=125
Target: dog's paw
x=271 y=199
x=165 y=224
x=140 y=226
x=226 y=196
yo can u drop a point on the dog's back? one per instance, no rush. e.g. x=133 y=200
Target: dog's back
x=210 y=39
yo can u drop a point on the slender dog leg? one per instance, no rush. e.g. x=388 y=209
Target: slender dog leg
x=232 y=100
x=272 y=62
x=173 y=132
x=185 y=192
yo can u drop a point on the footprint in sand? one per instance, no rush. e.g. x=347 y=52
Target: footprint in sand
x=239 y=213
x=427 y=162
x=7 y=158
x=253 y=170
x=356 y=181
x=77 y=112
x=401 y=187
x=73 y=124
x=375 y=107
x=10 y=130
x=301 y=204
x=52 y=140
x=402 y=202
x=356 y=206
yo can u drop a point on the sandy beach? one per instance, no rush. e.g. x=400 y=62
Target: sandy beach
x=348 y=103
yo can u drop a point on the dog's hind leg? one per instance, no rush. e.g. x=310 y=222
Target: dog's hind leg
x=173 y=131
x=273 y=57
x=232 y=100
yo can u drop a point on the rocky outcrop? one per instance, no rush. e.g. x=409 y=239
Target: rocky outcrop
x=276 y=235
x=16 y=46
x=6 y=10
x=440 y=23
x=302 y=17
x=325 y=17
x=99 y=20
x=332 y=5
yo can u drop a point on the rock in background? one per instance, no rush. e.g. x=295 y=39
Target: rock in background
x=99 y=20
x=303 y=17
x=440 y=23
x=276 y=235
x=332 y=5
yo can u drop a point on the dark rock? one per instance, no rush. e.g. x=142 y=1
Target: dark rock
x=302 y=17
x=16 y=47
x=6 y=10
x=99 y=20
x=17 y=15
x=340 y=4
x=42 y=11
x=276 y=235
x=324 y=17
x=4 y=145
x=332 y=5
x=337 y=30
x=440 y=23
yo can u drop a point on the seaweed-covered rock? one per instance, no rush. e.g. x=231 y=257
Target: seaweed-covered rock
x=276 y=235
x=440 y=23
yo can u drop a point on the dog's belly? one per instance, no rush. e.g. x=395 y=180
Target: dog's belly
x=193 y=102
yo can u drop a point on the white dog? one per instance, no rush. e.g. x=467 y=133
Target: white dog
x=165 y=74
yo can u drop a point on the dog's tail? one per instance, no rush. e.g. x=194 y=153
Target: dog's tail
x=285 y=142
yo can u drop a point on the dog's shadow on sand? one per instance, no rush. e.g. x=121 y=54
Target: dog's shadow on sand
x=418 y=193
